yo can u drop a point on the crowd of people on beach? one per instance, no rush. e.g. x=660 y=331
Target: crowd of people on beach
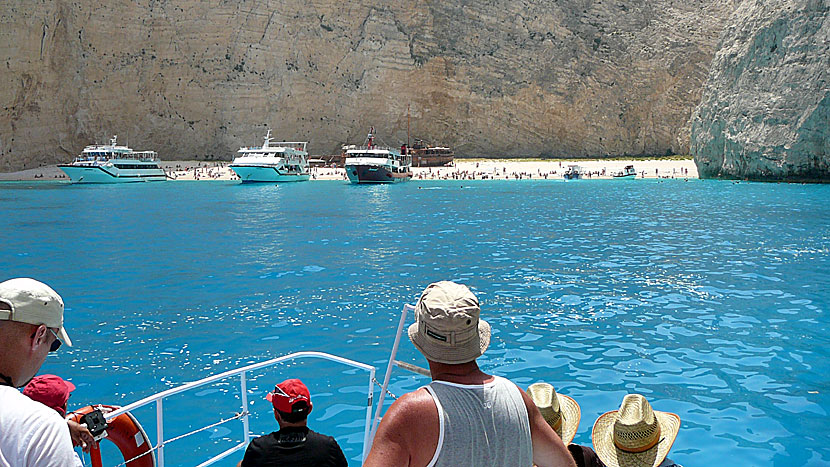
x=463 y=417
x=494 y=172
x=201 y=171
x=461 y=169
x=222 y=172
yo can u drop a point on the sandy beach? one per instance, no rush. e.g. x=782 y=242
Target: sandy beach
x=464 y=169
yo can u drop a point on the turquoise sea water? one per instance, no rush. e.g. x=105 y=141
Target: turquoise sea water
x=710 y=298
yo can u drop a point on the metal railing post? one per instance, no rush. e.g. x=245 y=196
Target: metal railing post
x=244 y=388
x=388 y=374
x=367 y=431
x=159 y=433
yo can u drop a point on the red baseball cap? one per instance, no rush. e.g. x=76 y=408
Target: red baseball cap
x=51 y=391
x=288 y=394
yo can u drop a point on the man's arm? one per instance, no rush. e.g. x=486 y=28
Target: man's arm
x=80 y=435
x=252 y=455
x=50 y=444
x=407 y=434
x=548 y=448
x=337 y=457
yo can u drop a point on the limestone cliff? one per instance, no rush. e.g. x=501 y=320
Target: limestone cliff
x=765 y=109
x=198 y=79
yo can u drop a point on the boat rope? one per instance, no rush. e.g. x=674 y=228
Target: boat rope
x=381 y=386
x=155 y=448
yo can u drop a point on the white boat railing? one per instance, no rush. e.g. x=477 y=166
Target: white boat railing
x=148 y=156
x=406 y=308
x=296 y=145
x=242 y=373
x=374 y=147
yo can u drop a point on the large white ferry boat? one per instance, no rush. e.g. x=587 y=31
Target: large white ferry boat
x=111 y=163
x=375 y=164
x=273 y=162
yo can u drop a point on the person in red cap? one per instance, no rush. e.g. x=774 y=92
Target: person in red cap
x=53 y=392
x=294 y=444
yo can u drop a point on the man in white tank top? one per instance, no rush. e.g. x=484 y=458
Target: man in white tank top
x=465 y=417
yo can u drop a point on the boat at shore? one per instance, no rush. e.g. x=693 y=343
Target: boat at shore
x=574 y=172
x=284 y=161
x=111 y=163
x=376 y=164
x=627 y=173
x=424 y=155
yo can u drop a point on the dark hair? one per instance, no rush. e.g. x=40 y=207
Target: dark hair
x=299 y=412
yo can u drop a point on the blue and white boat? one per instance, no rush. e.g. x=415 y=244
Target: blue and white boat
x=627 y=173
x=574 y=172
x=111 y=163
x=273 y=162
x=376 y=164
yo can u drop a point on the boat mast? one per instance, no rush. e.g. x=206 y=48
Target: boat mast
x=407 y=126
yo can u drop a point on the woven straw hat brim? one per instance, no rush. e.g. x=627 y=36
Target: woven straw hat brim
x=602 y=437
x=570 y=417
x=451 y=355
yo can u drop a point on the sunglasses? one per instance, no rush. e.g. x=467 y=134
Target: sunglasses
x=56 y=344
x=279 y=392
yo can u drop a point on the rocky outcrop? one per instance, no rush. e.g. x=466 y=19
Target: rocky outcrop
x=198 y=79
x=765 y=110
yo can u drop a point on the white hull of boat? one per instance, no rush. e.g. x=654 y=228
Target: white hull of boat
x=99 y=174
x=267 y=174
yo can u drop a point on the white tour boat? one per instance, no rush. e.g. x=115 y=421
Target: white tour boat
x=110 y=163
x=273 y=162
x=375 y=164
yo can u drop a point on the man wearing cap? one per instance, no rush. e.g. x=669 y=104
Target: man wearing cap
x=31 y=326
x=294 y=444
x=53 y=392
x=465 y=417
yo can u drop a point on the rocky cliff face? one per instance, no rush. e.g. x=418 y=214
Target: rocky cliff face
x=198 y=79
x=765 y=109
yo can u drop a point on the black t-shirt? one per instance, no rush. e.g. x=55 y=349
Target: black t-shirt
x=294 y=446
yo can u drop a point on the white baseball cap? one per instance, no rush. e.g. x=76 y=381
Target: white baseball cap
x=33 y=302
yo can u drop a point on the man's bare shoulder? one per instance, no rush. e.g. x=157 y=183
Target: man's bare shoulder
x=412 y=408
x=408 y=433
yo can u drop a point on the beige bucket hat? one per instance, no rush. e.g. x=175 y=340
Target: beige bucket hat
x=447 y=327
x=561 y=412
x=635 y=435
x=33 y=302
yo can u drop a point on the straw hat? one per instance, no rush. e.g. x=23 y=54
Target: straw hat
x=561 y=412
x=634 y=436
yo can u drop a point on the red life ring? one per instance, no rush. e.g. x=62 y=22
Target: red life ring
x=126 y=433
